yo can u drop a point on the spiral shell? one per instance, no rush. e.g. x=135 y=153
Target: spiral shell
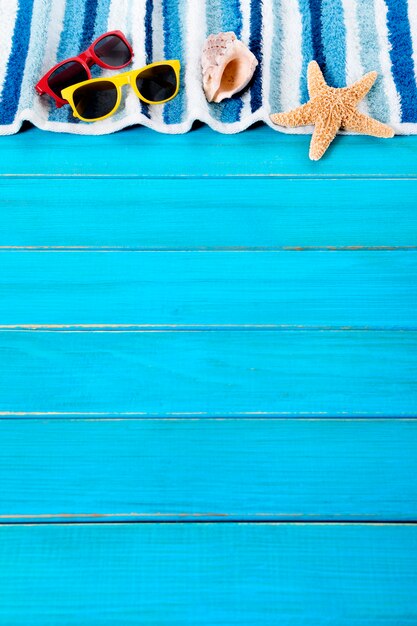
x=227 y=65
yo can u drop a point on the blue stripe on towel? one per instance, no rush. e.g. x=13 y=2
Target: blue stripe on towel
x=72 y=29
x=317 y=42
x=148 y=31
x=401 y=58
x=231 y=21
x=102 y=15
x=369 y=46
x=13 y=82
x=307 y=45
x=213 y=17
x=255 y=45
x=334 y=41
x=232 y=17
x=173 y=14
x=89 y=24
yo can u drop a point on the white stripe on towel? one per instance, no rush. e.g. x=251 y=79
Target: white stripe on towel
x=118 y=15
x=268 y=33
x=137 y=34
x=158 y=54
x=245 y=36
x=195 y=36
x=292 y=61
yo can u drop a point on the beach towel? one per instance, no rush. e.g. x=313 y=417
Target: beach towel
x=347 y=37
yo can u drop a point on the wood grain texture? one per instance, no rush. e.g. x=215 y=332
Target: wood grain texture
x=198 y=214
x=142 y=153
x=208 y=574
x=210 y=288
x=100 y=470
x=213 y=373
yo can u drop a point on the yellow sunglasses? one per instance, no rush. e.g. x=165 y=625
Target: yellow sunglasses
x=99 y=98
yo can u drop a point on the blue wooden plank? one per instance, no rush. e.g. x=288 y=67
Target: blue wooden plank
x=217 y=213
x=210 y=288
x=143 y=470
x=222 y=373
x=208 y=574
x=142 y=153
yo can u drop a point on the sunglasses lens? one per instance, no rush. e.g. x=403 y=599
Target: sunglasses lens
x=157 y=83
x=66 y=75
x=113 y=51
x=95 y=100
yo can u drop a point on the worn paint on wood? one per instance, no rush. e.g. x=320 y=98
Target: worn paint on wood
x=211 y=373
x=323 y=249
x=207 y=288
x=208 y=574
x=203 y=469
x=189 y=214
x=142 y=153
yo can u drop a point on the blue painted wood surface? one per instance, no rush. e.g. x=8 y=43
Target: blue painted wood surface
x=207 y=276
x=203 y=469
x=207 y=213
x=208 y=574
x=259 y=152
x=210 y=288
x=209 y=373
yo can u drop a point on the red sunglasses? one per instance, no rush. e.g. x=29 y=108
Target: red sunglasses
x=111 y=51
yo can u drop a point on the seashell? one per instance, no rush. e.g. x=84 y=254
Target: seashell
x=228 y=66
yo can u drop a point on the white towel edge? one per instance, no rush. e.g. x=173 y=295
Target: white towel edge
x=261 y=115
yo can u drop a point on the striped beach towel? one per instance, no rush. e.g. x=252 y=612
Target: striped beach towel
x=346 y=37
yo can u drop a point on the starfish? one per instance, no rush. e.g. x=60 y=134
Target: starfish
x=331 y=109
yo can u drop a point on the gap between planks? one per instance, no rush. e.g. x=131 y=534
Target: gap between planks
x=186 y=518
x=209 y=249
x=290 y=176
x=215 y=523
x=93 y=416
x=195 y=328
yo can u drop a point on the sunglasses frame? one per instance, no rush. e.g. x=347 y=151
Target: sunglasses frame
x=86 y=59
x=126 y=78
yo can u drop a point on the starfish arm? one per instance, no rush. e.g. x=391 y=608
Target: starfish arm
x=360 y=123
x=324 y=133
x=358 y=90
x=303 y=116
x=316 y=82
